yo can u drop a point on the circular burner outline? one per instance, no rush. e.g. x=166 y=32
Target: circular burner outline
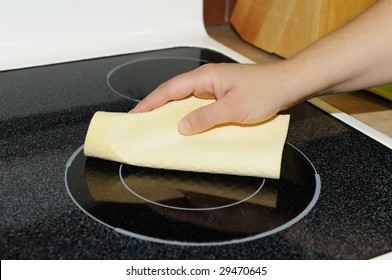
x=186 y=208
x=180 y=243
x=141 y=60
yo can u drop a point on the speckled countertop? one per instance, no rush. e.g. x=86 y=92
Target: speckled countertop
x=44 y=115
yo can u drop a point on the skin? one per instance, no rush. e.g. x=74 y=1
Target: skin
x=356 y=56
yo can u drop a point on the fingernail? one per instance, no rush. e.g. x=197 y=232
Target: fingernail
x=185 y=127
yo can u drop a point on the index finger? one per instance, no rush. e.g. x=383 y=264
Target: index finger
x=176 y=88
x=198 y=82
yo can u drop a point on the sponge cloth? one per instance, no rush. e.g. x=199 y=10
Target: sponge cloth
x=151 y=139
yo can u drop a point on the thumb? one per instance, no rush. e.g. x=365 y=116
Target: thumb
x=205 y=118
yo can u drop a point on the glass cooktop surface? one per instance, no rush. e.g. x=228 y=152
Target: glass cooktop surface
x=105 y=210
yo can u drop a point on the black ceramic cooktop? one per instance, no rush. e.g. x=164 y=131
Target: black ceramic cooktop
x=332 y=201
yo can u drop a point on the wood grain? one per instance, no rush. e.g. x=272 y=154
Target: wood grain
x=284 y=27
x=217 y=12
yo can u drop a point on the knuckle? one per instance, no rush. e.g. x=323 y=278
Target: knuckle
x=208 y=68
x=203 y=117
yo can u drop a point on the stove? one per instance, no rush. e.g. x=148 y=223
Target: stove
x=333 y=200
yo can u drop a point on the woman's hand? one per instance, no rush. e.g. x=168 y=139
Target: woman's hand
x=354 y=57
x=244 y=94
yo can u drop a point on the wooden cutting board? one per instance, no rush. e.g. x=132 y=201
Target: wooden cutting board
x=285 y=27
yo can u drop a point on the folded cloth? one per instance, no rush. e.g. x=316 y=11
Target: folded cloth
x=152 y=140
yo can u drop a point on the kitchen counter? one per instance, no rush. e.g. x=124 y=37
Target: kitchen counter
x=371 y=109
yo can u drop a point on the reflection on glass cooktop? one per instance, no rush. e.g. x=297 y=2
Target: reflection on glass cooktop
x=189 y=208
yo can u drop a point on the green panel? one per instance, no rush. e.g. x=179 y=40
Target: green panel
x=384 y=91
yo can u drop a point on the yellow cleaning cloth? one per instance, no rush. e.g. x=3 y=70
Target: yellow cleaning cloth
x=152 y=139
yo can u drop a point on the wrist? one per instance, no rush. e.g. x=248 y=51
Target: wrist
x=298 y=83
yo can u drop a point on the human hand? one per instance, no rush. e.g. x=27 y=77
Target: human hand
x=357 y=56
x=244 y=94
